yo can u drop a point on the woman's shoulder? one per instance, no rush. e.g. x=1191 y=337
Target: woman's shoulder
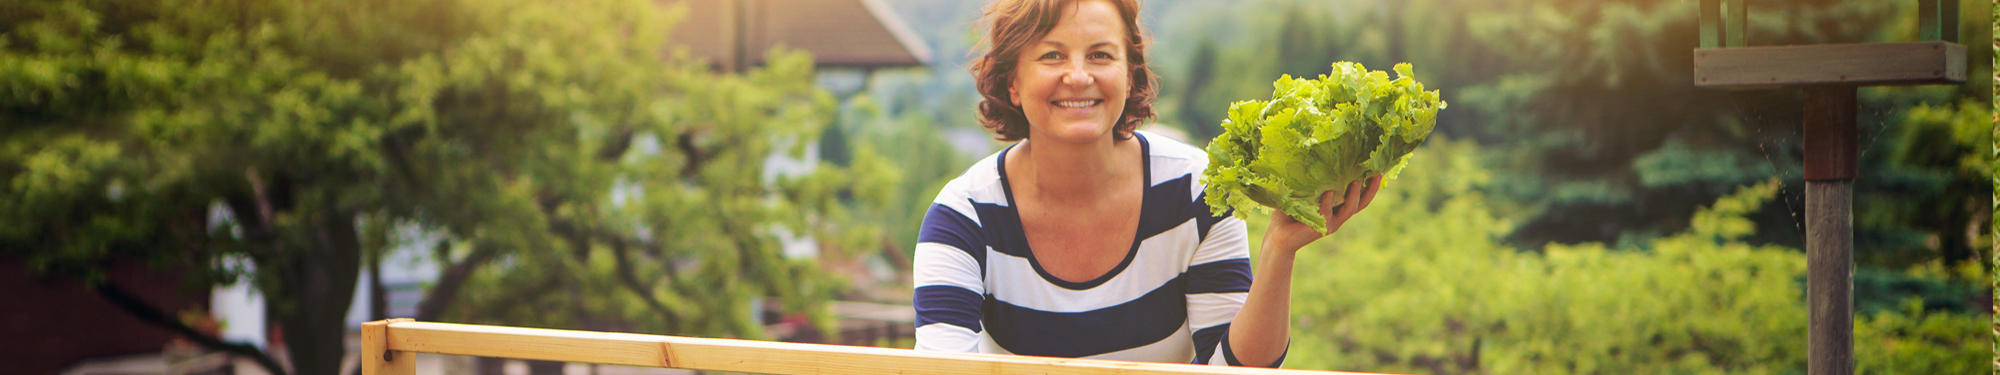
x=1168 y=144
x=1171 y=158
x=980 y=182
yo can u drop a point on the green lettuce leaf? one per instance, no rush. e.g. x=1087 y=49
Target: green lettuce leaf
x=1314 y=136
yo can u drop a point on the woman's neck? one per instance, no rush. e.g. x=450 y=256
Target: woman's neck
x=1063 y=173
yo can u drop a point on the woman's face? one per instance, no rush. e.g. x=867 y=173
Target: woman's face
x=1072 y=84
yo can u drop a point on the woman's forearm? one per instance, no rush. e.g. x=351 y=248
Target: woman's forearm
x=1262 y=329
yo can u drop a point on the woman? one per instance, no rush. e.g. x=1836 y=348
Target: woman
x=1088 y=238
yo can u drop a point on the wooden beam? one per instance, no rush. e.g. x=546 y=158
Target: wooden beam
x=376 y=357
x=1872 y=64
x=527 y=343
x=763 y=357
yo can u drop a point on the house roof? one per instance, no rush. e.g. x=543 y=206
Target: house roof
x=838 y=33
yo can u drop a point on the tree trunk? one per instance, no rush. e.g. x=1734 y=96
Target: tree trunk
x=321 y=283
x=490 y=366
x=545 y=368
x=378 y=295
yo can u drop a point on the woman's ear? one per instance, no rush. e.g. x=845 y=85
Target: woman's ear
x=1013 y=96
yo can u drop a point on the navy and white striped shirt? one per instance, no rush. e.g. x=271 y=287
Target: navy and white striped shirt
x=979 y=288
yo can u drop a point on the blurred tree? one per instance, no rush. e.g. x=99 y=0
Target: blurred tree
x=1306 y=46
x=926 y=161
x=556 y=145
x=1944 y=143
x=1203 y=121
x=923 y=160
x=1607 y=119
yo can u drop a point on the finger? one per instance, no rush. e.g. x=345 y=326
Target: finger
x=1374 y=186
x=1354 y=191
x=1326 y=206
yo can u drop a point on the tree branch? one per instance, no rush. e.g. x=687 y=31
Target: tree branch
x=696 y=156
x=618 y=145
x=151 y=315
x=452 y=280
x=630 y=280
x=621 y=252
x=242 y=208
x=398 y=151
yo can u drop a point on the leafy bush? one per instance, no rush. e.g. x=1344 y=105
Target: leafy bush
x=1420 y=283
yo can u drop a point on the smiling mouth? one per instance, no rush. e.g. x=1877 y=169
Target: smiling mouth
x=1076 y=103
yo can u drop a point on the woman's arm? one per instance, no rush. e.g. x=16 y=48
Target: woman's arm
x=1262 y=329
x=948 y=274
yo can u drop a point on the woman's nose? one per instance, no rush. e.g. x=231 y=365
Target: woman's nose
x=1077 y=76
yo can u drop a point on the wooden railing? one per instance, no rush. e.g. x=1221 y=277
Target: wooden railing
x=388 y=348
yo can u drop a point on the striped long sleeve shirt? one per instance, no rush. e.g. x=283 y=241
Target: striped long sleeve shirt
x=979 y=288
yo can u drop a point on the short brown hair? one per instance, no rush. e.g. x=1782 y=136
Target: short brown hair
x=1015 y=24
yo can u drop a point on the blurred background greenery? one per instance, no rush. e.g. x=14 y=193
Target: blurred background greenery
x=1558 y=224
x=1582 y=208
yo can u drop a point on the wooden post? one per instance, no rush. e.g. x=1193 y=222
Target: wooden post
x=376 y=358
x=1829 y=74
x=1937 y=20
x=1830 y=169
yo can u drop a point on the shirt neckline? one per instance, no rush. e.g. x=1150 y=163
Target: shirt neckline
x=1007 y=187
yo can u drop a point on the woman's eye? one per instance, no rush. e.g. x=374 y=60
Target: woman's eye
x=1049 y=55
x=1100 y=55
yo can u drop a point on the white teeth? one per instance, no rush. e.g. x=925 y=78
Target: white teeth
x=1077 y=103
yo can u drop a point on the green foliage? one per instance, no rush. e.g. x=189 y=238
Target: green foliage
x=580 y=176
x=1588 y=107
x=1944 y=135
x=1912 y=340
x=1315 y=136
x=915 y=144
x=1421 y=283
x=1934 y=149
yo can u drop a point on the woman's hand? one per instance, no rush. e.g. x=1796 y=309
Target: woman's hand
x=1289 y=235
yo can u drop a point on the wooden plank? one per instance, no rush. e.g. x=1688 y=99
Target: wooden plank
x=792 y=358
x=750 y=356
x=1872 y=64
x=528 y=343
x=376 y=358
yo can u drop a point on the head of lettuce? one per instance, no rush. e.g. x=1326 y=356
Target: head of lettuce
x=1317 y=135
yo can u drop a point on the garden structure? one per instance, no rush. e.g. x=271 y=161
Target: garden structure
x=1829 y=76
